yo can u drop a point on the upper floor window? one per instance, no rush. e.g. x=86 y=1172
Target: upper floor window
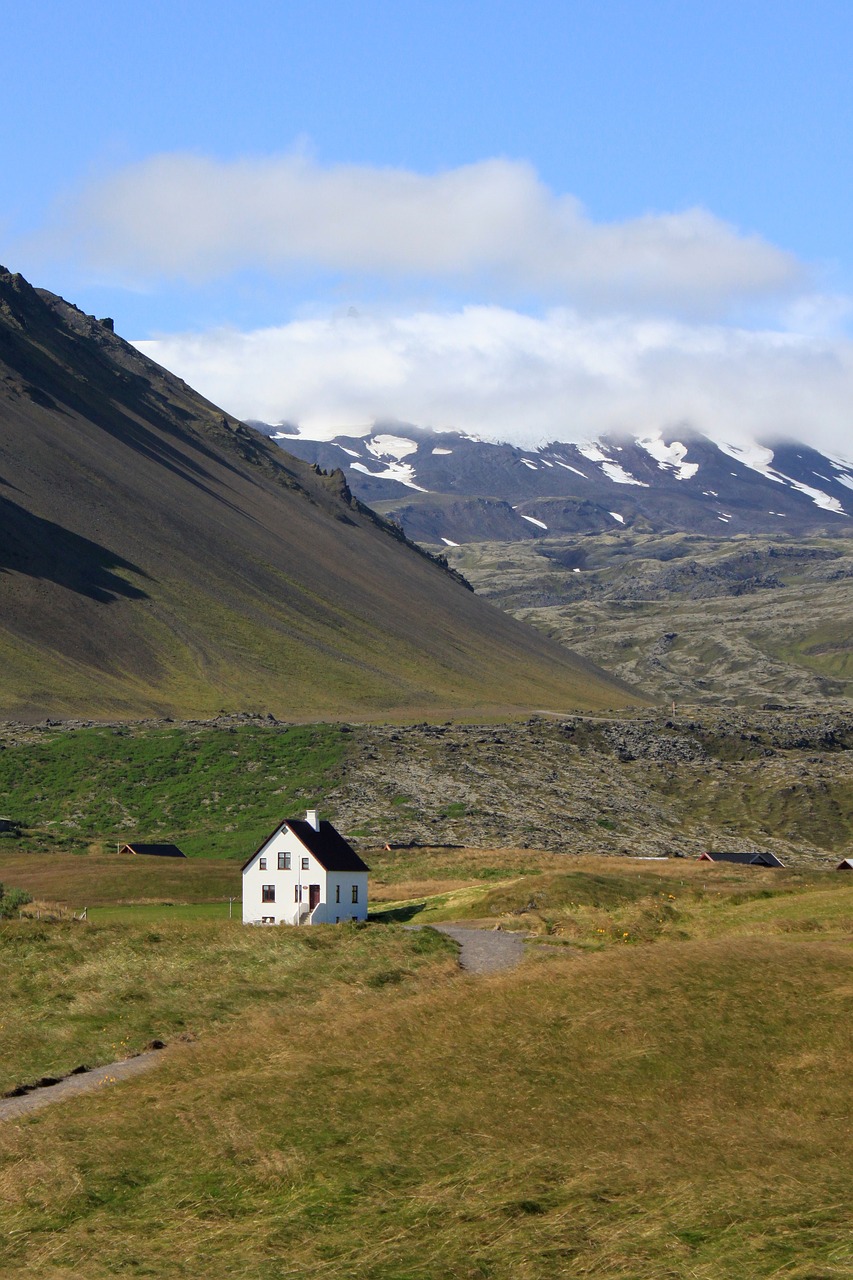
x=304 y=864
x=284 y=862
x=262 y=865
x=268 y=893
x=355 y=893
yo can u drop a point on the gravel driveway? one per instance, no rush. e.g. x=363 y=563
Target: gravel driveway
x=484 y=950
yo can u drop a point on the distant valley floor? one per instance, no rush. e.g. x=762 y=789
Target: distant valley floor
x=737 y=622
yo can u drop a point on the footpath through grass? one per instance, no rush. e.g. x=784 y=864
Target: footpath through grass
x=670 y=1105
x=76 y=993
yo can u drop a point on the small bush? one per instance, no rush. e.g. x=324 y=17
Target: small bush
x=11 y=901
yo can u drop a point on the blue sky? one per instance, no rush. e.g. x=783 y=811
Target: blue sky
x=501 y=197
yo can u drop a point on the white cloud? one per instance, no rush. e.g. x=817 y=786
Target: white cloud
x=500 y=374
x=188 y=217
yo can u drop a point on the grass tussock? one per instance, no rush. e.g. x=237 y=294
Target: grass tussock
x=595 y=902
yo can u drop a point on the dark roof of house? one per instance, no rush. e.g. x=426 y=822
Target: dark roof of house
x=846 y=864
x=745 y=859
x=157 y=850
x=327 y=845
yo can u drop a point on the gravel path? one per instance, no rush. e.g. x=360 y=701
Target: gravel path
x=85 y=1082
x=485 y=950
x=480 y=951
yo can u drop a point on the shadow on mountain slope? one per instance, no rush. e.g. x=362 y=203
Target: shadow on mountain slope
x=41 y=549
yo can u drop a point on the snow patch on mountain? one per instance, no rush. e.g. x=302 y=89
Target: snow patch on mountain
x=759 y=458
x=533 y=520
x=391 y=446
x=613 y=470
x=402 y=472
x=566 y=467
x=669 y=457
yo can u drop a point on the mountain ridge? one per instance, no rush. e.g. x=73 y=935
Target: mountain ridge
x=449 y=487
x=157 y=556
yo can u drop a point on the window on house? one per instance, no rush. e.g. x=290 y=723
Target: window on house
x=267 y=919
x=304 y=864
x=297 y=893
x=355 y=893
x=284 y=862
x=263 y=864
x=268 y=893
x=337 y=893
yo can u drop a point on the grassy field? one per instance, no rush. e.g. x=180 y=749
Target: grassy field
x=590 y=903
x=74 y=881
x=670 y=1105
x=219 y=791
x=94 y=993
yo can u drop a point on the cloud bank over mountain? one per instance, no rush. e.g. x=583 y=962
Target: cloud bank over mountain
x=542 y=323
x=498 y=373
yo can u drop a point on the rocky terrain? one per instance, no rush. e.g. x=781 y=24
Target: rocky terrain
x=644 y=786
x=746 y=621
x=647 y=784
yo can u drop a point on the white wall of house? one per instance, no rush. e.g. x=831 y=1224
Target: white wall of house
x=285 y=870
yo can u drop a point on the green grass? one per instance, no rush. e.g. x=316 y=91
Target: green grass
x=156 y=912
x=216 y=792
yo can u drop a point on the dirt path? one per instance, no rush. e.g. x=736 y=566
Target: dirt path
x=485 y=950
x=480 y=951
x=84 y=1082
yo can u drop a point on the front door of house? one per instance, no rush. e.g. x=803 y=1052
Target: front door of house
x=313 y=895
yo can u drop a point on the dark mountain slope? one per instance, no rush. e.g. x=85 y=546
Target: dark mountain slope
x=157 y=556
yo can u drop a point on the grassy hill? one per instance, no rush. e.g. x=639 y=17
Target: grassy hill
x=344 y=1101
x=159 y=557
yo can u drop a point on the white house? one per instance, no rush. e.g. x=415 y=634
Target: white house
x=304 y=873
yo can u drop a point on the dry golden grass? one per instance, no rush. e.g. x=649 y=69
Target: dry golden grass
x=665 y=1111
x=79 y=880
x=666 y=1106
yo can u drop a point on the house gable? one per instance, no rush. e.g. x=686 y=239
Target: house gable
x=301 y=870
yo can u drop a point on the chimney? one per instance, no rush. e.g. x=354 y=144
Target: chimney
x=312 y=818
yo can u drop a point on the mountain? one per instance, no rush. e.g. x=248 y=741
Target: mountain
x=158 y=557
x=454 y=488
